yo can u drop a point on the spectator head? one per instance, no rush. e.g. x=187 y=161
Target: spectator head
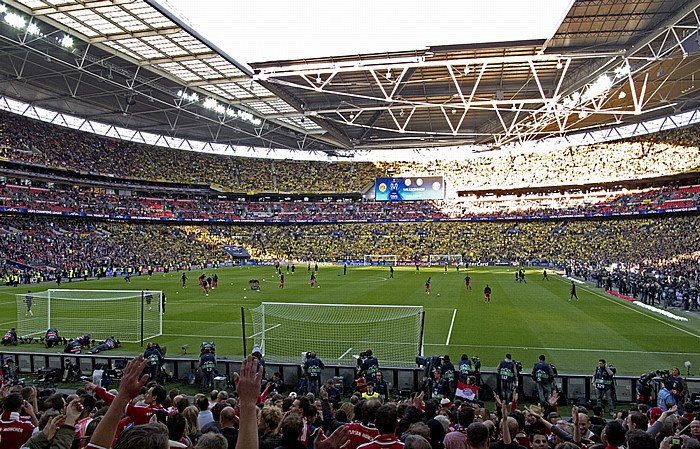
x=216 y=410
x=291 y=427
x=584 y=424
x=421 y=429
x=465 y=416
x=445 y=421
x=385 y=419
x=478 y=435
x=553 y=417
x=12 y=403
x=512 y=427
x=417 y=442
x=639 y=439
x=202 y=403
x=695 y=429
x=437 y=432
x=191 y=414
x=156 y=394
x=369 y=410
x=614 y=434
x=55 y=402
x=270 y=419
x=538 y=439
x=177 y=424
x=541 y=357
x=212 y=440
x=227 y=416
x=636 y=420
x=147 y=436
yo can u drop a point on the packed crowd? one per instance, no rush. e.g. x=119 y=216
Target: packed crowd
x=94 y=202
x=52 y=242
x=660 y=154
x=32 y=142
x=143 y=414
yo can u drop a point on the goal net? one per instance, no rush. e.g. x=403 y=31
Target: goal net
x=442 y=259
x=129 y=315
x=380 y=259
x=336 y=332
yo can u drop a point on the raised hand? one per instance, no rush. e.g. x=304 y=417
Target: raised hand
x=248 y=381
x=132 y=380
x=51 y=427
x=337 y=440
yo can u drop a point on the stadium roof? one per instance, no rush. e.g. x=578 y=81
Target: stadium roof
x=136 y=65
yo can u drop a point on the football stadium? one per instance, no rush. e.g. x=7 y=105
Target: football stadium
x=438 y=226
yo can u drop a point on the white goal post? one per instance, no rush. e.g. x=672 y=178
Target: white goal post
x=380 y=259
x=441 y=259
x=131 y=316
x=284 y=331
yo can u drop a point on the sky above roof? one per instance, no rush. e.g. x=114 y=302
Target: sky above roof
x=269 y=30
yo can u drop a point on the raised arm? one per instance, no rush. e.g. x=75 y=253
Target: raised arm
x=248 y=388
x=130 y=386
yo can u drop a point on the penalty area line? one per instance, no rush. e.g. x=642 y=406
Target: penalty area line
x=452 y=324
x=257 y=334
x=345 y=353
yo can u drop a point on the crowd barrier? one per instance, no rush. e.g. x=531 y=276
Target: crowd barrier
x=573 y=387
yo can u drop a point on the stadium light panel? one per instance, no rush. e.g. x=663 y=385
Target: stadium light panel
x=33 y=29
x=3 y=8
x=15 y=20
x=66 y=41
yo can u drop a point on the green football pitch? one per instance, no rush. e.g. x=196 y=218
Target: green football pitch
x=524 y=319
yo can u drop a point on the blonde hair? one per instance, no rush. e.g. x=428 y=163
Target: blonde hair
x=191 y=415
x=270 y=418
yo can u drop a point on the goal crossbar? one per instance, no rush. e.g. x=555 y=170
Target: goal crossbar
x=336 y=332
x=128 y=315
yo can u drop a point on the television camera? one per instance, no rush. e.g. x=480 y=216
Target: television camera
x=429 y=363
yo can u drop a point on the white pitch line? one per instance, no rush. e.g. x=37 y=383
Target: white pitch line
x=202 y=336
x=452 y=324
x=624 y=351
x=267 y=330
x=634 y=309
x=216 y=323
x=345 y=353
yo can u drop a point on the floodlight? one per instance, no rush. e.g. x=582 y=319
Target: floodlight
x=14 y=20
x=3 y=8
x=66 y=41
x=209 y=103
x=33 y=29
x=559 y=64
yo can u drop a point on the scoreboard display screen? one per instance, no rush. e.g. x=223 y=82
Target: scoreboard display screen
x=411 y=188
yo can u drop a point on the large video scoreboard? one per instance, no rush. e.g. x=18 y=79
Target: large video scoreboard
x=411 y=188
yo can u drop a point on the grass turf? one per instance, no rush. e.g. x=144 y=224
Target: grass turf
x=523 y=319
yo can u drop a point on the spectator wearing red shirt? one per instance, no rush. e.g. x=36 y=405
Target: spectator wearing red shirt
x=364 y=432
x=386 y=423
x=14 y=432
x=136 y=414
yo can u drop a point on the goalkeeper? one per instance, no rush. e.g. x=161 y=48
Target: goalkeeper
x=107 y=344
